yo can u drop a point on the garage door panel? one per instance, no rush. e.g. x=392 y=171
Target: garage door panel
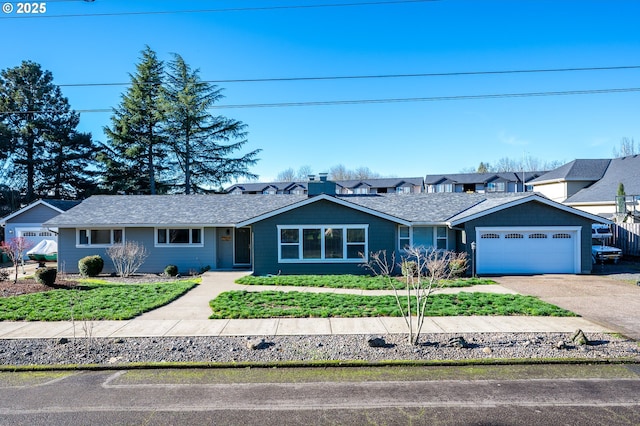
x=525 y=251
x=36 y=235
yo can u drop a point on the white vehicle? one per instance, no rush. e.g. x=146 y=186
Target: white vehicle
x=599 y=251
x=601 y=231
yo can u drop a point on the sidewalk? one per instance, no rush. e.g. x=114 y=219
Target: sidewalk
x=188 y=316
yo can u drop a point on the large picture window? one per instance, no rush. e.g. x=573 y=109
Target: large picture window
x=341 y=243
x=423 y=236
x=99 y=237
x=178 y=236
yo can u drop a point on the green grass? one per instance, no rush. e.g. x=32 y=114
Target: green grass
x=362 y=282
x=93 y=301
x=274 y=304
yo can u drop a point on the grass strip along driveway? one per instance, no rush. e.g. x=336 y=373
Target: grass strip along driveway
x=362 y=282
x=93 y=301
x=274 y=304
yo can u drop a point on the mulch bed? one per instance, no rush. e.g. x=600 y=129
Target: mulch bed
x=27 y=286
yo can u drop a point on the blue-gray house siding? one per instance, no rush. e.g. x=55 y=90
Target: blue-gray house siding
x=381 y=236
x=189 y=259
x=538 y=214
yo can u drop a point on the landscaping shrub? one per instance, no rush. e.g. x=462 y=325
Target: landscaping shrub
x=171 y=270
x=127 y=258
x=90 y=266
x=46 y=276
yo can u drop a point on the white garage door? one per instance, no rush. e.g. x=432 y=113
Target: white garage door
x=35 y=235
x=529 y=250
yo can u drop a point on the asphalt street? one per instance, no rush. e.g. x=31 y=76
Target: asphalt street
x=194 y=396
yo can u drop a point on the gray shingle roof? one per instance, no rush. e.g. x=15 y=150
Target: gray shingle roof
x=426 y=208
x=107 y=210
x=469 y=178
x=375 y=183
x=218 y=210
x=576 y=170
x=625 y=170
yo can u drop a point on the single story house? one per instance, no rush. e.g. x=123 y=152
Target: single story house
x=324 y=233
x=592 y=185
x=28 y=221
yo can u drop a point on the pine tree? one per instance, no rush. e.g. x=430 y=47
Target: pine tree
x=202 y=143
x=36 y=118
x=135 y=157
x=69 y=165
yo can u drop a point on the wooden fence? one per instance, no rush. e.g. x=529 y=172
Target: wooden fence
x=626 y=236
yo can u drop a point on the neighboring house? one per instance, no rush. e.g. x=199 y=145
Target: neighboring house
x=481 y=182
x=356 y=186
x=592 y=184
x=28 y=221
x=328 y=233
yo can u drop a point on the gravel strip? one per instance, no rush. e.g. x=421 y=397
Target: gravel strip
x=266 y=349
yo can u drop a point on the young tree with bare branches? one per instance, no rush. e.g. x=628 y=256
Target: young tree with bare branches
x=15 y=249
x=424 y=271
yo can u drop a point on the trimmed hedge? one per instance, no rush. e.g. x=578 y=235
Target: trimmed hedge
x=171 y=270
x=46 y=276
x=90 y=266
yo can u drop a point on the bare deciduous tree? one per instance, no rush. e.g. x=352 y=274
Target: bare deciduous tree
x=424 y=271
x=15 y=249
x=627 y=147
x=127 y=258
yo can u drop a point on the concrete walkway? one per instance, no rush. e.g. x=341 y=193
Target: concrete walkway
x=188 y=316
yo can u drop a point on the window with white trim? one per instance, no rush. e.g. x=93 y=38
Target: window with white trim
x=99 y=237
x=444 y=187
x=315 y=243
x=178 y=237
x=495 y=187
x=423 y=236
x=403 y=190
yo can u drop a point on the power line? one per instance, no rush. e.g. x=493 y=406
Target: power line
x=234 y=9
x=386 y=100
x=380 y=76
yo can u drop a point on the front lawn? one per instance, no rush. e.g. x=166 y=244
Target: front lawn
x=362 y=282
x=93 y=301
x=274 y=304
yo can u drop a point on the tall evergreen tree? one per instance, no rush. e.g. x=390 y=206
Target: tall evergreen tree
x=34 y=114
x=202 y=144
x=70 y=165
x=135 y=157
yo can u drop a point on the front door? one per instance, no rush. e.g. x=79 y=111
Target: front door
x=242 y=247
x=224 y=248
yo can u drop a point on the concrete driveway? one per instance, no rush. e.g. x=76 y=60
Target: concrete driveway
x=611 y=300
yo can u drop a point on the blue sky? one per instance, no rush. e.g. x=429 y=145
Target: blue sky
x=422 y=37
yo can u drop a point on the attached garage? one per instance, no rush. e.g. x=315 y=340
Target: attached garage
x=28 y=221
x=35 y=235
x=527 y=250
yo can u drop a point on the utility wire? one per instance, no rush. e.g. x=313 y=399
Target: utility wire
x=379 y=76
x=386 y=100
x=234 y=9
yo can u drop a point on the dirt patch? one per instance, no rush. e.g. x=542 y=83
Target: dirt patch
x=28 y=286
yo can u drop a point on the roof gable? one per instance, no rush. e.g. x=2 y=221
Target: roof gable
x=343 y=201
x=492 y=205
x=58 y=206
